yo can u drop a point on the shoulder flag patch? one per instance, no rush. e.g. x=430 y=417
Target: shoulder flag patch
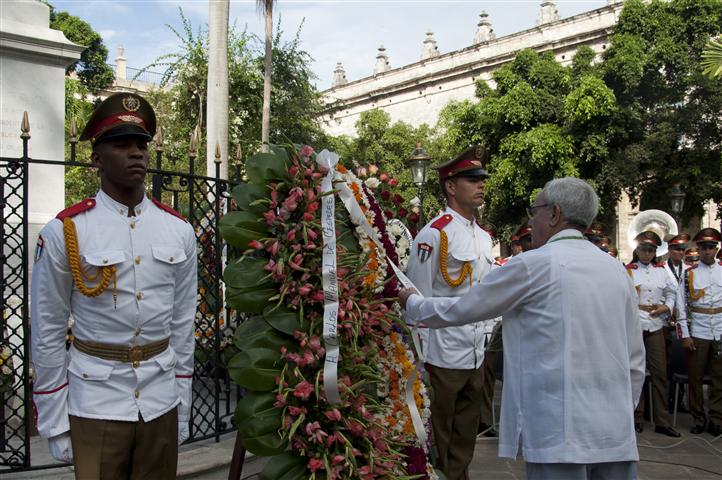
x=424 y=251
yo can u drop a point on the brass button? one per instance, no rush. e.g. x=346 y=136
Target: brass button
x=89 y=203
x=170 y=259
x=132 y=224
x=85 y=375
x=137 y=260
x=137 y=393
x=136 y=364
x=105 y=260
x=139 y=295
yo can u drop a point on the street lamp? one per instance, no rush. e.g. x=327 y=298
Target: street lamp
x=676 y=197
x=419 y=162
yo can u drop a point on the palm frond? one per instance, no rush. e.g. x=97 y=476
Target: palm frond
x=712 y=58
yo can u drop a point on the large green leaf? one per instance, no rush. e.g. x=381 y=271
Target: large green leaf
x=282 y=319
x=256 y=368
x=256 y=333
x=246 y=272
x=266 y=167
x=251 y=403
x=240 y=227
x=250 y=300
x=266 y=445
x=247 y=193
x=286 y=466
x=255 y=415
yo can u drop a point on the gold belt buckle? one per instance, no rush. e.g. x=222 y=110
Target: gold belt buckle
x=135 y=355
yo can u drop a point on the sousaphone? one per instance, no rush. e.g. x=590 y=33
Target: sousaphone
x=655 y=221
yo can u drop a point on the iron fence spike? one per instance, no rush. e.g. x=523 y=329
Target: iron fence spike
x=239 y=155
x=158 y=139
x=73 y=130
x=218 y=151
x=25 y=126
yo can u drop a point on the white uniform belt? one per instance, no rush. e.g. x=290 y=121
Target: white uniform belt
x=122 y=353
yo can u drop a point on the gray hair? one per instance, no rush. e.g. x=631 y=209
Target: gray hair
x=577 y=200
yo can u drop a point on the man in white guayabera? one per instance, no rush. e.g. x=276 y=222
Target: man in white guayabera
x=573 y=352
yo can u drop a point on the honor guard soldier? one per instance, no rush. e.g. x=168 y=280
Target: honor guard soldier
x=449 y=255
x=691 y=257
x=116 y=403
x=701 y=331
x=657 y=294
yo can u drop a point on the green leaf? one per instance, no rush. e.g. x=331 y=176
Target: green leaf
x=265 y=167
x=282 y=319
x=250 y=300
x=246 y=272
x=255 y=368
x=247 y=193
x=286 y=466
x=240 y=227
x=266 y=445
x=255 y=415
x=256 y=333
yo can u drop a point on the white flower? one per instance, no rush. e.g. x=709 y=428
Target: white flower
x=372 y=182
x=415 y=202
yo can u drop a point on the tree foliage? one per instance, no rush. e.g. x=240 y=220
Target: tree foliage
x=669 y=128
x=92 y=67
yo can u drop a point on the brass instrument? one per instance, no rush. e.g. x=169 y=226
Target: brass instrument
x=656 y=221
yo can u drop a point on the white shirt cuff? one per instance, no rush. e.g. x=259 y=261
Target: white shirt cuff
x=413 y=310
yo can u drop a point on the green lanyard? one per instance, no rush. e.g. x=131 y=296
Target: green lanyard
x=567 y=238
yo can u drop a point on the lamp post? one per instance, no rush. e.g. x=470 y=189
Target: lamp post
x=419 y=162
x=676 y=197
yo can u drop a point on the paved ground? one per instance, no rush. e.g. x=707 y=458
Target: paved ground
x=697 y=457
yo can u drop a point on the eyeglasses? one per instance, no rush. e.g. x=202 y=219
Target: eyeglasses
x=530 y=210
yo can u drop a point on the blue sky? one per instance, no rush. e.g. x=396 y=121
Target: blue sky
x=347 y=31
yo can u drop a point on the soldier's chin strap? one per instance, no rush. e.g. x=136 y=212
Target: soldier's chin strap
x=78 y=272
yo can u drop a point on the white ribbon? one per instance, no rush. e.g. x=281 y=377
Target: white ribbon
x=329 y=279
x=330 y=318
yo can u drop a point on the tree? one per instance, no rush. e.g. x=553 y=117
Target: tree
x=267 y=6
x=542 y=121
x=668 y=128
x=92 y=67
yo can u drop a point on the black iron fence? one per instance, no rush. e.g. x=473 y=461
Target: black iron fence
x=202 y=200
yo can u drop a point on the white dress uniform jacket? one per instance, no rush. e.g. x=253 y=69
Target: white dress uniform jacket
x=654 y=287
x=155 y=255
x=573 y=352
x=460 y=347
x=705 y=326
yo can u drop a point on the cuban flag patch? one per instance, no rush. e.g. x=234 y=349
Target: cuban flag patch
x=424 y=251
x=39 y=248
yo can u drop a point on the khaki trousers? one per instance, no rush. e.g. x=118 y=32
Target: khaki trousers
x=697 y=361
x=656 y=347
x=114 y=450
x=455 y=412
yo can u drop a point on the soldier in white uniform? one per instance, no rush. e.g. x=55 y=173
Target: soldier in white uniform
x=675 y=263
x=449 y=255
x=573 y=353
x=657 y=293
x=701 y=328
x=117 y=403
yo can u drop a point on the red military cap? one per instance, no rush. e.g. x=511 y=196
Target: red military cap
x=119 y=115
x=489 y=228
x=523 y=231
x=596 y=229
x=648 y=238
x=681 y=240
x=470 y=163
x=707 y=235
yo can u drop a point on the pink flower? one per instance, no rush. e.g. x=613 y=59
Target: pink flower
x=383 y=177
x=306 y=151
x=315 y=464
x=333 y=415
x=312 y=234
x=308 y=217
x=280 y=401
x=255 y=244
x=303 y=390
x=296 y=411
x=338 y=459
x=373 y=169
x=305 y=290
x=314 y=432
x=393 y=182
x=270 y=216
x=291 y=235
x=270 y=266
x=273 y=248
x=398 y=199
x=362 y=172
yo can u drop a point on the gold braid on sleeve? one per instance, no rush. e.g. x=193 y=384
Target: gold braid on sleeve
x=466 y=268
x=694 y=294
x=77 y=270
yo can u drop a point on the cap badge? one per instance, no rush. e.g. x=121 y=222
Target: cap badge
x=479 y=151
x=131 y=104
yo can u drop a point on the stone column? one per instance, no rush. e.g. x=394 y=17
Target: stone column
x=484 y=33
x=430 y=49
x=382 y=61
x=339 y=76
x=121 y=64
x=548 y=13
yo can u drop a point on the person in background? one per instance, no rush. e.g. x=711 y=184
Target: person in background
x=573 y=351
x=691 y=257
x=448 y=256
x=117 y=404
x=657 y=294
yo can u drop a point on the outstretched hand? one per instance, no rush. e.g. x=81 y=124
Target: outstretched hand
x=404 y=295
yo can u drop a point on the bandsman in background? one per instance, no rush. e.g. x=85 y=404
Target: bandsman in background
x=657 y=294
x=675 y=263
x=691 y=256
x=595 y=233
x=117 y=403
x=700 y=327
x=449 y=255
